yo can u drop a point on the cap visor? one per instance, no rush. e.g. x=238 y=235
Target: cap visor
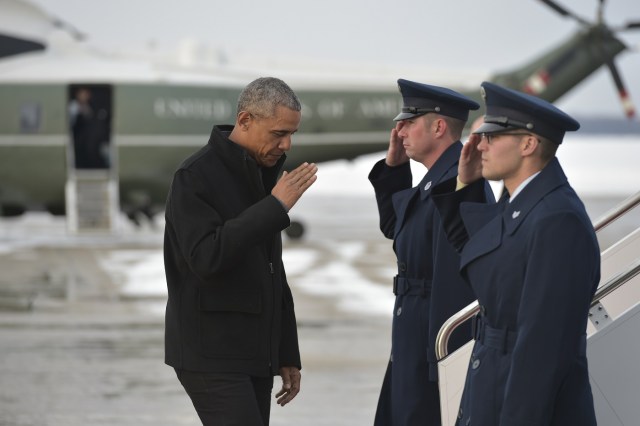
x=492 y=128
x=405 y=116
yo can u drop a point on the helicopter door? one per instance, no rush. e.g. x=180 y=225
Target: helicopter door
x=92 y=187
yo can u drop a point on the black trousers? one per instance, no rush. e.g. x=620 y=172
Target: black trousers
x=228 y=399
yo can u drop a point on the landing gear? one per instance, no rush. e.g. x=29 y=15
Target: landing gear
x=141 y=214
x=11 y=210
x=295 y=231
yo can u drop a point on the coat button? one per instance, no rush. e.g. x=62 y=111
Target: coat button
x=402 y=266
x=475 y=364
x=399 y=311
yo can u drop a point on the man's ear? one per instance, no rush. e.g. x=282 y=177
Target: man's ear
x=439 y=127
x=244 y=120
x=529 y=145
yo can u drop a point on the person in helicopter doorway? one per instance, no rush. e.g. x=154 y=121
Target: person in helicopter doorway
x=87 y=131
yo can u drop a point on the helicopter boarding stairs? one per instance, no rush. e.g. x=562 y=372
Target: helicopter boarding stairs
x=92 y=203
x=613 y=335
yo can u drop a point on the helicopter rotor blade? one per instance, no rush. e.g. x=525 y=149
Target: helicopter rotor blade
x=600 y=13
x=627 y=104
x=564 y=12
x=632 y=25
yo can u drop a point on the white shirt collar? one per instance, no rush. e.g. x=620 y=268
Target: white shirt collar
x=522 y=186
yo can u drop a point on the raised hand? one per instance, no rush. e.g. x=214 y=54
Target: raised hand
x=396 y=155
x=470 y=164
x=292 y=185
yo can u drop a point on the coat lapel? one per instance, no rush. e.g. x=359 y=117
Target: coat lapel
x=401 y=202
x=484 y=225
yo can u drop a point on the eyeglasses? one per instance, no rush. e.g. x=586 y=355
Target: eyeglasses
x=490 y=136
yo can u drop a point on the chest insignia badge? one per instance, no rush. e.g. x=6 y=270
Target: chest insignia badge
x=427 y=186
x=515 y=214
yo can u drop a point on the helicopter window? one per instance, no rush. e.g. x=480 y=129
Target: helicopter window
x=30 y=118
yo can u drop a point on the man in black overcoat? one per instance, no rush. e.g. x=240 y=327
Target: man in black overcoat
x=230 y=322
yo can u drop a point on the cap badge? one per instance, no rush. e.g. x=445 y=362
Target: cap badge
x=483 y=93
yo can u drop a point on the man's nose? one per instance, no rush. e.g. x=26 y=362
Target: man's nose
x=285 y=143
x=484 y=143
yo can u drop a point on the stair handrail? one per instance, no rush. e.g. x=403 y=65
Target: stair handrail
x=442 y=339
x=617 y=212
x=614 y=283
x=469 y=311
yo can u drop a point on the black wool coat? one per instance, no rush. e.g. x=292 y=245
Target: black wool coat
x=229 y=307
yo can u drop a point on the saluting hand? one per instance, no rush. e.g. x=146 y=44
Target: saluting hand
x=470 y=164
x=292 y=185
x=290 y=385
x=396 y=155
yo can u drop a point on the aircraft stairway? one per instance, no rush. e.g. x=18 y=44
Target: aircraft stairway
x=91 y=201
x=613 y=335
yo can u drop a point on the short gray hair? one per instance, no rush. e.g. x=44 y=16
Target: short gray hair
x=261 y=97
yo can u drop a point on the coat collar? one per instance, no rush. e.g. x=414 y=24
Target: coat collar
x=241 y=164
x=550 y=178
x=403 y=199
x=487 y=223
x=239 y=160
x=443 y=164
x=476 y=215
x=231 y=153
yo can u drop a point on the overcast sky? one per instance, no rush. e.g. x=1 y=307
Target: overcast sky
x=455 y=35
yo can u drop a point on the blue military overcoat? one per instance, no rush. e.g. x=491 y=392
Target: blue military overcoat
x=534 y=265
x=428 y=289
